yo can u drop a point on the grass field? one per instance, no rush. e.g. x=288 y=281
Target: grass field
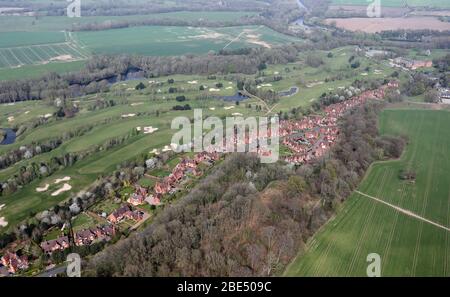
x=36 y=71
x=19 y=49
x=407 y=246
x=166 y=41
x=37 y=50
x=61 y=23
x=398 y=3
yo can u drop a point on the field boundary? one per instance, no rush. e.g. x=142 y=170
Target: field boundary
x=404 y=211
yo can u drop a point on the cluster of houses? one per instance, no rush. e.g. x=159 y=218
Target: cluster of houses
x=444 y=95
x=125 y=213
x=81 y=238
x=411 y=64
x=311 y=137
x=170 y=183
x=11 y=263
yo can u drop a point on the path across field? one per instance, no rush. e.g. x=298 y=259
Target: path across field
x=404 y=211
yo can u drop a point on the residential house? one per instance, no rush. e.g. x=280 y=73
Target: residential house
x=138 y=197
x=13 y=262
x=58 y=244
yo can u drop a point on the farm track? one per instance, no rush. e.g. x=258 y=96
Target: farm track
x=404 y=211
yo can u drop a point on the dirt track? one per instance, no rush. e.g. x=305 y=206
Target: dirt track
x=404 y=211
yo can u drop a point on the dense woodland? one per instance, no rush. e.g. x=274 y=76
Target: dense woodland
x=249 y=219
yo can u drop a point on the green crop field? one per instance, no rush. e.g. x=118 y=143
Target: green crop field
x=38 y=51
x=19 y=49
x=407 y=246
x=61 y=23
x=166 y=41
x=398 y=3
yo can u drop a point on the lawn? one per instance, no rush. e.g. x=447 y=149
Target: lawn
x=407 y=246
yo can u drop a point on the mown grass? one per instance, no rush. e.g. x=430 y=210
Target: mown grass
x=407 y=246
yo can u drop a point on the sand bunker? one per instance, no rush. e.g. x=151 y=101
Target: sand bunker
x=364 y=74
x=64 y=179
x=313 y=84
x=237 y=114
x=10 y=119
x=214 y=90
x=65 y=188
x=212 y=108
x=27 y=112
x=207 y=35
x=228 y=107
x=130 y=115
x=62 y=58
x=47 y=115
x=266 y=85
x=137 y=104
x=229 y=88
x=1 y=206
x=43 y=189
x=154 y=151
x=166 y=149
x=3 y=222
x=194 y=82
x=147 y=130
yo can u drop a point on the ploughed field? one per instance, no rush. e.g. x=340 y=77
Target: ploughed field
x=408 y=246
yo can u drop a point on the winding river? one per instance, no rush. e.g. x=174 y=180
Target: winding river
x=301 y=21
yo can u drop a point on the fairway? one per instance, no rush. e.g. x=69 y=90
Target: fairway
x=407 y=228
